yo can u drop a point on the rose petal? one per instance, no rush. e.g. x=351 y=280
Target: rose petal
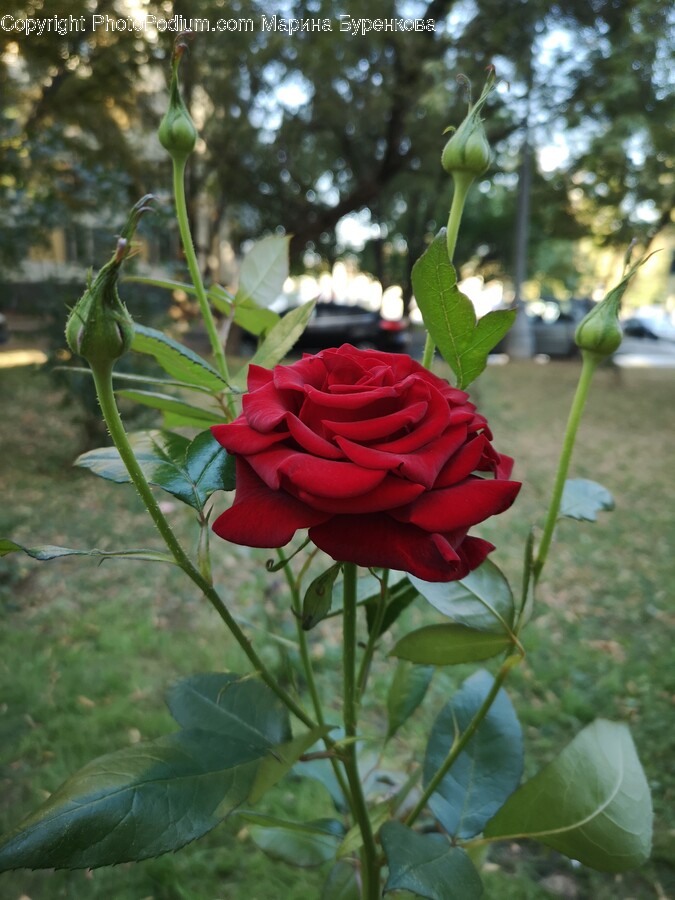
x=463 y=463
x=260 y=517
x=460 y=506
x=372 y=429
x=239 y=437
x=391 y=493
x=422 y=467
x=282 y=467
x=377 y=540
x=267 y=407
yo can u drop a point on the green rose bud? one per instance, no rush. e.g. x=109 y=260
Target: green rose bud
x=99 y=327
x=467 y=153
x=599 y=333
x=177 y=133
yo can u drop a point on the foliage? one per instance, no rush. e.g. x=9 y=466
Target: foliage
x=240 y=735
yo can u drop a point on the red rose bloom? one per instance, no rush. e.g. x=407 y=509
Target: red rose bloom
x=372 y=453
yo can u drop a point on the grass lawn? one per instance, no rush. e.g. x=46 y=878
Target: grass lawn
x=87 y=651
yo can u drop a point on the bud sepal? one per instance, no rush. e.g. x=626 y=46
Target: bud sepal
x=599 y=334
x=177 y=132
x=467 y=154
x=99 y=326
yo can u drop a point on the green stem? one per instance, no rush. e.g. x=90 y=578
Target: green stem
x=462 y=184
x=309 y=673
x=587 y=371
x=367 y=659
x=460 y=743
x=106 y=399
x=369 y=863
x=196 y=275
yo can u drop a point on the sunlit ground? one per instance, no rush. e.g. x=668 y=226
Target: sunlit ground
x=11 y=358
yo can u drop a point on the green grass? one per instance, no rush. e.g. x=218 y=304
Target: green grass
x=88 y=651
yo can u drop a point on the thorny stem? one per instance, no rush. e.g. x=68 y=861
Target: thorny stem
x=367 y=658
x=309 y=672
x=588 y=368
x=196 y=276
x=106 y=398
x=369 y=862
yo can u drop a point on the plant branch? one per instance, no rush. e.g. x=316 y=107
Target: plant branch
x=460 y=742
x=195 y=275
x=106 y=398
x=369 y=861
x=588 y=368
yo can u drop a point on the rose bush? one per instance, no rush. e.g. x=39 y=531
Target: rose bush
x=372 y=453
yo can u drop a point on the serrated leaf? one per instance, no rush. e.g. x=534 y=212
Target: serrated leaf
x=448 y=645
x=319 y=597
x=189 y=470
x=482 y=601
x=583 y=499
x=449 y=315
x=487 y=771
x=591 y=803
x=428 y=866
x=263 y=271
x=232 y=706
x=305 y=844
x=280 y=340
x=190 y=415
x=139 y=802
x=177 y=360
x=407 y=690
x=46 y=552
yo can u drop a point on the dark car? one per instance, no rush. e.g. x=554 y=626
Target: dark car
x=333 y=324
x=554 y=324
x=638 y=328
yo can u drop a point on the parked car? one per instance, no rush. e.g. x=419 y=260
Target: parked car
x=637 y=328
x=554 y=323
x=333 y=324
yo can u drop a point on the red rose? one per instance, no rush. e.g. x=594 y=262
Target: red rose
x=373 y=454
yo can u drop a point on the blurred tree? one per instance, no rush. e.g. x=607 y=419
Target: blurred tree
x=302 y=130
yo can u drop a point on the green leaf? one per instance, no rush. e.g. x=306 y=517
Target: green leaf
x=232 y=706
x=582 y=499
x=591 y=803
x=189 y=470
x=190 y=415
x=50 y=551
x=450 y=316
x=487 y=771
x=178 y=361
x=305 y=844
x=447 y=645
x=280 y=340
x=482 y=601
x=274 y=767
x=263 y=271
x=399 y=598
x=319 y=597
x=136 y=379
x=428 y=866
x=341 y=883
x=407 y=690
x=139 y=802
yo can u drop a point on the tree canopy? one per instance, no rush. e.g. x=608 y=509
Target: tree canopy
x=300 y=130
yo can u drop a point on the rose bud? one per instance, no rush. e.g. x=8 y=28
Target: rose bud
x=468 y=151
x=599 y=333
x=177 y=132
x=99 y=327
x=386 y=464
